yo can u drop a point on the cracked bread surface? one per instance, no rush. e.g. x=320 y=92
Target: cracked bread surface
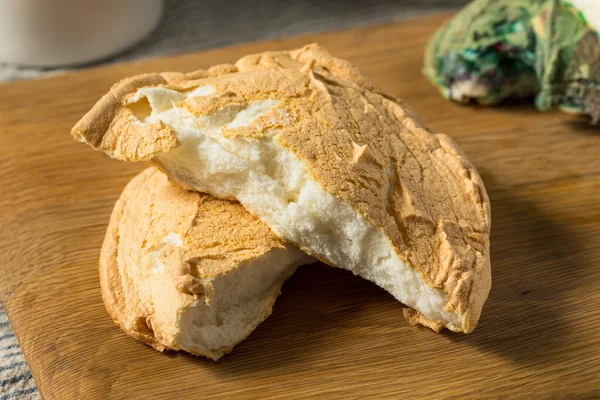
x=182 y=270
x=349 y=140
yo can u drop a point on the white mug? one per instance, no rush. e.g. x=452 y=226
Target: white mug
x=52 y=33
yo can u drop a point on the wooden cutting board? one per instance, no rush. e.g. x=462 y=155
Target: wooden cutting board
x=332 y=335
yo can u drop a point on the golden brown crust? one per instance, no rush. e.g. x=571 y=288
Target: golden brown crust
x=150 y=209
x=111 y=284
x=360 y=145
x=414 y=317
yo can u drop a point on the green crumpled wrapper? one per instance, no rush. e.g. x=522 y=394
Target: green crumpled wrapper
x=498 y=49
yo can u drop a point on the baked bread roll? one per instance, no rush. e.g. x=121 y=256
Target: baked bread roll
x=305 y=142
x=182 y=270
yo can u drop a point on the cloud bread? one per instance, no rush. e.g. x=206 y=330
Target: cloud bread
x=305 y=141
x=182 y=270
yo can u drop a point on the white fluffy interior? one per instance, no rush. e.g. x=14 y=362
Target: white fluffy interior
x=243 y=298
x=274 y=184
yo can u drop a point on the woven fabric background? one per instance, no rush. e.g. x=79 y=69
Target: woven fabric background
x=188 y=26
x=16 y=381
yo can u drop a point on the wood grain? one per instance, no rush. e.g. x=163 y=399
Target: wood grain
x=332 y=335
